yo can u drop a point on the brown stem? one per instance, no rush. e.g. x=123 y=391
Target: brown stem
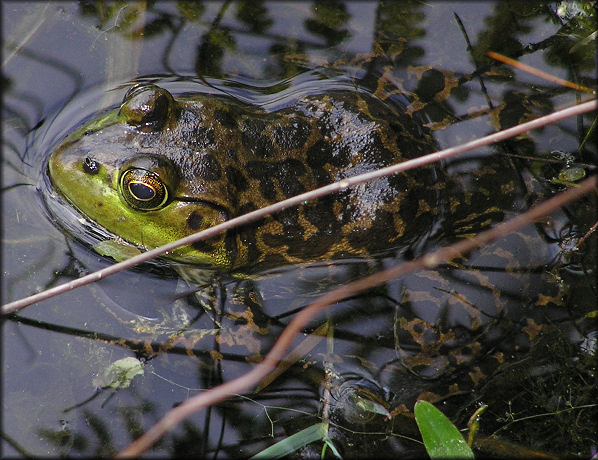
x=539 y=73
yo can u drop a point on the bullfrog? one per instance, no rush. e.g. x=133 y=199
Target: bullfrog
x=160 y=167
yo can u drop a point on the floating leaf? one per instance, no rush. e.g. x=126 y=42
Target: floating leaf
x=120 y=373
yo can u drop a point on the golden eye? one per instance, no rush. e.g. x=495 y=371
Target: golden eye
x=143 y=190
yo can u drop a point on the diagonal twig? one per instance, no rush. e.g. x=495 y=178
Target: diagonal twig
x=539 y=73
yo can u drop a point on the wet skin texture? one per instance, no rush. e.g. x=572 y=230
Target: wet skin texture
x=159 y=168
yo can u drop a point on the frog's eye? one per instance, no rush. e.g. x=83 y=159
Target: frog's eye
x=147 y=106
x=143 y=190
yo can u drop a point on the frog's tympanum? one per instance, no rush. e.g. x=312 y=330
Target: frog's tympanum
x=161 y=167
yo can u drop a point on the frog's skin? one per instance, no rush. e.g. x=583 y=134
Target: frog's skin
x=209 y=158
x=159 y=168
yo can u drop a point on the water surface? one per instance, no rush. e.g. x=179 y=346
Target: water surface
x=64 y=61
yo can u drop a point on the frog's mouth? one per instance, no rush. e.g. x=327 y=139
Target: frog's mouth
x=63 y=214
x=90 y=235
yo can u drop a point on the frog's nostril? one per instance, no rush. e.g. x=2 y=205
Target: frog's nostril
x=90 y=166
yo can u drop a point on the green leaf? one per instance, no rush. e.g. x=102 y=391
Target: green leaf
x=295 y=442
x=441 y=438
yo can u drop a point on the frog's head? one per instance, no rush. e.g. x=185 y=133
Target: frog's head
x=125 y=170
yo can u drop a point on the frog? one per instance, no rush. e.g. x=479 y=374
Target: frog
x=159 y=167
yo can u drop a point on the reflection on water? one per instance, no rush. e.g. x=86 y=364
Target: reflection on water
x=503 y=327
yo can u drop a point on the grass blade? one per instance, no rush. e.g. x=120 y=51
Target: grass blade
x=293 y=443
x=441 y=438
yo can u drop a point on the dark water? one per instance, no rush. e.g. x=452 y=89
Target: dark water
x=62 y=62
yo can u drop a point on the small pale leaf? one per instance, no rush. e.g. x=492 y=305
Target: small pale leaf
x=120 y=373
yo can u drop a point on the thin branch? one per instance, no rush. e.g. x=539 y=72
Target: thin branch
x=477 y=65
x=551 y=160
x=428 y=261
x=300 y=199
x=587 y=235
x=539 y=73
